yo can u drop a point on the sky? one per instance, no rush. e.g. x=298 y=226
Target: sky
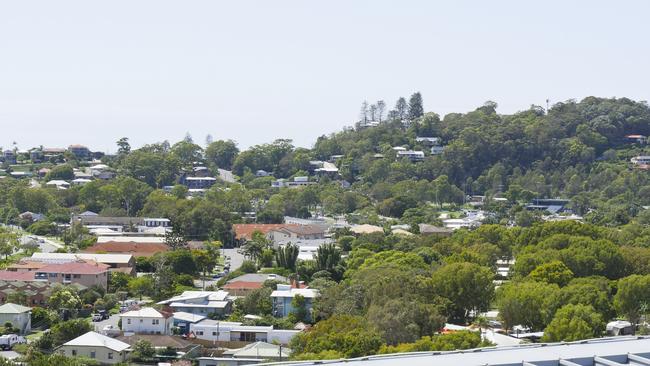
x=91 y=72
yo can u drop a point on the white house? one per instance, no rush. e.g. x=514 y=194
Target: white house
x=146 y=321
x=19 y=316
x=641 y=160
x=220 y=331
x=95 y=346
x=201 y=302
x=411 y=155
x=283 y=296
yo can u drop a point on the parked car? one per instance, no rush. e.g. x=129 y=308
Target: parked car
x=97 y=317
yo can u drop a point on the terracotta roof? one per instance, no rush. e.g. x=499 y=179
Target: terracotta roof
x=16 y=276
x=245 y=231
x=240 y=285
x=133 y=248
x=78 y=267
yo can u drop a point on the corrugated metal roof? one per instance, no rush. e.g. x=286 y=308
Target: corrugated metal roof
x=595 y=352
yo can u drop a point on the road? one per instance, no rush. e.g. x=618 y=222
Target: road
x=44 y=244
x=236 y=259
x=110 y=321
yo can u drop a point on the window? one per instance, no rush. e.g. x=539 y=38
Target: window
x=155 y=321
x=128 y=321
x=141 y=320
x=74 y=352
x=214 y=333
x=53 y=274
x=200 y=332
x=110 y=355
x=93 y=354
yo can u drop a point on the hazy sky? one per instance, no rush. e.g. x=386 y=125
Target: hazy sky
x=91 y=72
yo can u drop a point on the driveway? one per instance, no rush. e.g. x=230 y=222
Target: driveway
x=110 y=321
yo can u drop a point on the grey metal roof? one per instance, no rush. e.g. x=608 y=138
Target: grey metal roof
x=612 y=351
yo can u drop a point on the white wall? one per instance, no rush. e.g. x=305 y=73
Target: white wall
x=145 y=325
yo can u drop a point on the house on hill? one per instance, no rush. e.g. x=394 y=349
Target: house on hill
x=98 y=347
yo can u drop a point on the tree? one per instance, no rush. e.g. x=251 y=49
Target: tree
x=18 y=297
x=633 y=296
x=143 y=350
x=299 y=312
x=405 y=320
x=530 y=304
x=552 y=272
x=401 y=108
x=381 y=109
x=8 y=242
x=574 y=322
x=287 y=256
x=349 y=336
x=64 y=298
x=123 y=146
x=141 y=286
x=328 y=256
x=175 y=239
x=67 y=330
x=416 y=109
x=222 y=153
x=468 y=286
x=60 y=172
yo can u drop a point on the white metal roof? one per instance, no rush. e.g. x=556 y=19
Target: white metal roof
x=143 y=313
x=10 y=308
x=188 y=317
x=304 y=292
x=100 y=258
x=595 y=352
x=93 y=339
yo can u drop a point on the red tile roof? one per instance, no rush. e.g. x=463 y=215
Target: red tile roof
x=133 y=248
x=78 y=267
x=241 y=285
x=245 y=231
x=16 y=276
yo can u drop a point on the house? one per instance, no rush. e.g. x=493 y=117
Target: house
x=221 y=331
x=282 y=297
x=115 y=262
x=9 y=157
x=296 y=182
x=411 y=155
x=552 y=205
x=198 y=182
x=85 y=273
x=437 y=150
x=19 y=316
x=296 y=232
x=80 y=152
x=201 y=171
x=133 y=248
x=262 y=173
x=472 y=219
x=120 y=224
x=201 y=302
x=428 y=141
x=245 y=231
x=147 y=321
x=95 y=346
x=260 y=350
x=245 y=284
x=37 y=292
x=60 y=184
x=183 y=320
x=426 y=229
x=641 y=160
x=227 y=361
x=366 y=229
x=637 y=139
